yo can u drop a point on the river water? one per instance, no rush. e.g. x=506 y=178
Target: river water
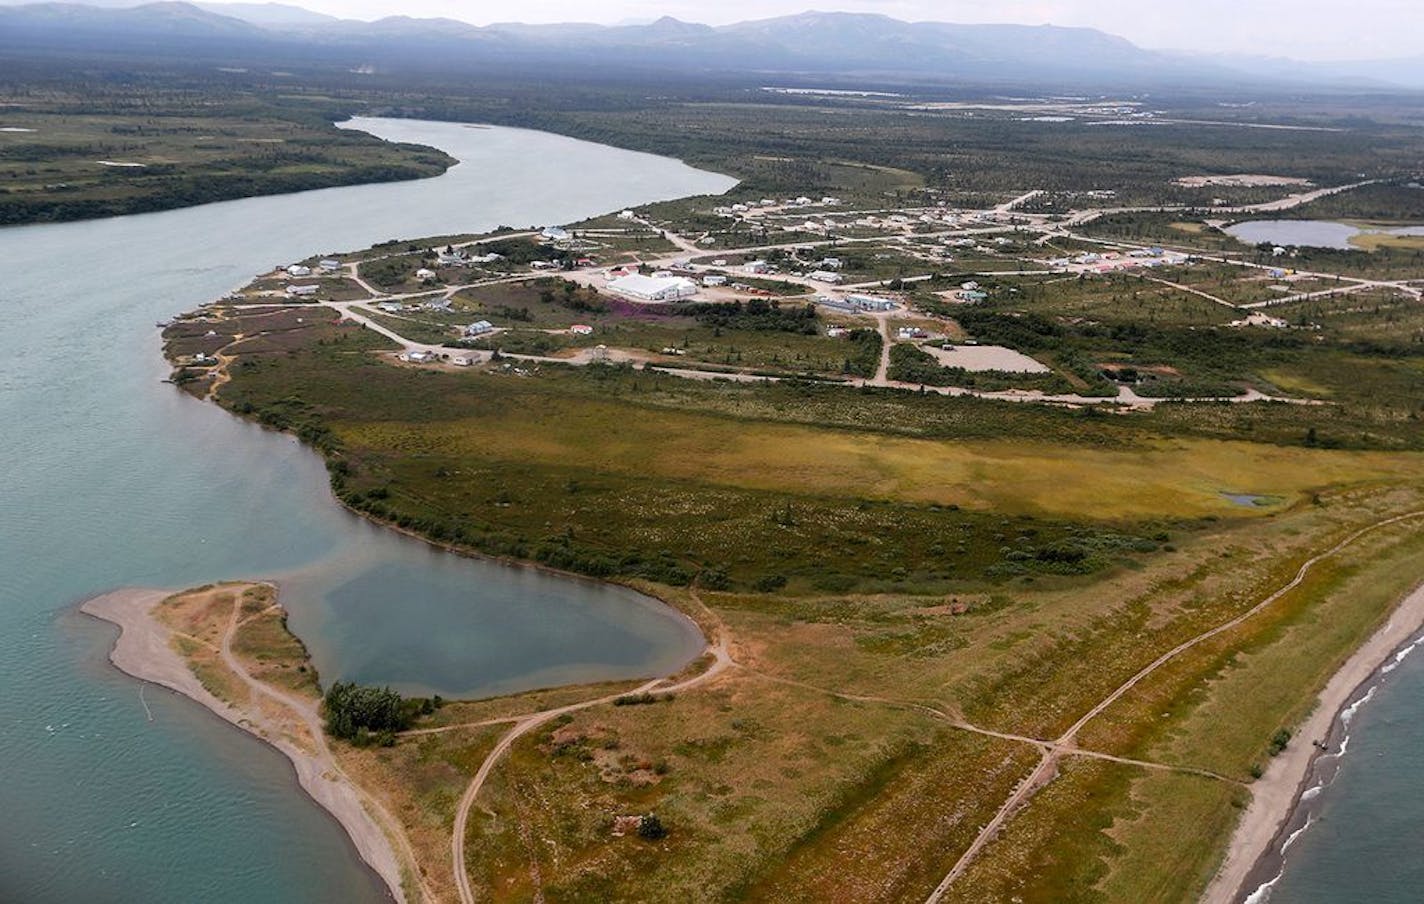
x=111 y=478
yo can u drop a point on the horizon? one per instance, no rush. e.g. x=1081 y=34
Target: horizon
x=1313 y=30
x=1308 y=31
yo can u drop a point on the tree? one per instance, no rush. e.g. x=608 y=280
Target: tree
x=354 y=711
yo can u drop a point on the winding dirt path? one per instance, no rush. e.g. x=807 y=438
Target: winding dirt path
x=308 y=712
x=1047 y=766
x=721 y=662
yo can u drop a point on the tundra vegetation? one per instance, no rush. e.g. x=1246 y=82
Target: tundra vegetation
x=919 y=593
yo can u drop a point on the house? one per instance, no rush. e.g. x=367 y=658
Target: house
x=759 y=266
x=303 y=290
x=330 y=264
x=1257 y=318
x=451 y=259
x=871 y=302
x=712 y=281
x=424 y=274
x=487 y=258
x=971 y=297
x=298 y=270
x=626 y=215
x=462 y=361
x=836 y=332
x=391 y=307
x=581 y=329
x=832 y=263
x=478 y=328
x=720 y=262
x=911 y=332
x=418 y=357
x=824 y=276
x=654 y=288
x=554 y=233
x=439 y=304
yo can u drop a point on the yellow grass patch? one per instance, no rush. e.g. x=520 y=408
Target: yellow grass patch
x=1152 y=479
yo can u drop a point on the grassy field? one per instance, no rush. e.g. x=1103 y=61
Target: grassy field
x=72 y=163
x=896 y=575
x=828 y=762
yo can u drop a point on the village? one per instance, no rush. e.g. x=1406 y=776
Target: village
x=801 y=288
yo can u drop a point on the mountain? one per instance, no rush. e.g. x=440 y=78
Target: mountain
x=810 y=45
x=43 y=22
x=271 y=15
x=1399 y=73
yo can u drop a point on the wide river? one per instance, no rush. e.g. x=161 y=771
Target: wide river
x=111 y=478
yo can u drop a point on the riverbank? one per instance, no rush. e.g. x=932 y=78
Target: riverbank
x=1255 y=857
x=144 y=650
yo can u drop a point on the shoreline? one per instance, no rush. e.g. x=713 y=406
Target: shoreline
x=1255 y=857
x=142 y=651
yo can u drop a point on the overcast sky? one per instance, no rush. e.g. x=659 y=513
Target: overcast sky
x=1304 y=29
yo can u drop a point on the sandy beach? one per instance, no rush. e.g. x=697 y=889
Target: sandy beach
x=143 y=651
x=1254 y=856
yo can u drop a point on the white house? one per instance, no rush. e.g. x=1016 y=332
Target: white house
x=391 y=307
x=1257 y=318
x=298 y=270
x=871 y=302
x=555 y=233
x=478 y=328
x=330 y=264
x=759 y=266
x=714 y=280
x=424 y=273
x=626 y=215
x=581 y=329
x=824 y=276
x=303 y=290
x=653 y=288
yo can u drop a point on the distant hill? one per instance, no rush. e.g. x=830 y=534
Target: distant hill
x=809 y=45
x=67 y=23
x=271 y=15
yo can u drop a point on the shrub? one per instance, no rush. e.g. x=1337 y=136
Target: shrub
x=651 y=828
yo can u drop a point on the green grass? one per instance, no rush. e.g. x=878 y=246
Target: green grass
x=190 y=153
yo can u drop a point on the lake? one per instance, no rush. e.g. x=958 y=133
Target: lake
x=114 y=478
x=1309 y=233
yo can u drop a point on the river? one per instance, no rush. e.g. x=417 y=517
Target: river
x=112 y=478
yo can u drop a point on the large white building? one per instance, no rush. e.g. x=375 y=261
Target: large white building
x=654 y=288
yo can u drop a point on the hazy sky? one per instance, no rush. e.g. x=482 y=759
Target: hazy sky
x=1304 y=29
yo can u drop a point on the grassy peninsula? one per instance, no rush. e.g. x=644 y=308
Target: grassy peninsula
x=968 y=640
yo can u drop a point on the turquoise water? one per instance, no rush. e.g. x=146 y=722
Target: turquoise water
x=112 y=478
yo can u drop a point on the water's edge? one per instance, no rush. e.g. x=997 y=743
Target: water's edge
x=1252 y=868
x=141 y=650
